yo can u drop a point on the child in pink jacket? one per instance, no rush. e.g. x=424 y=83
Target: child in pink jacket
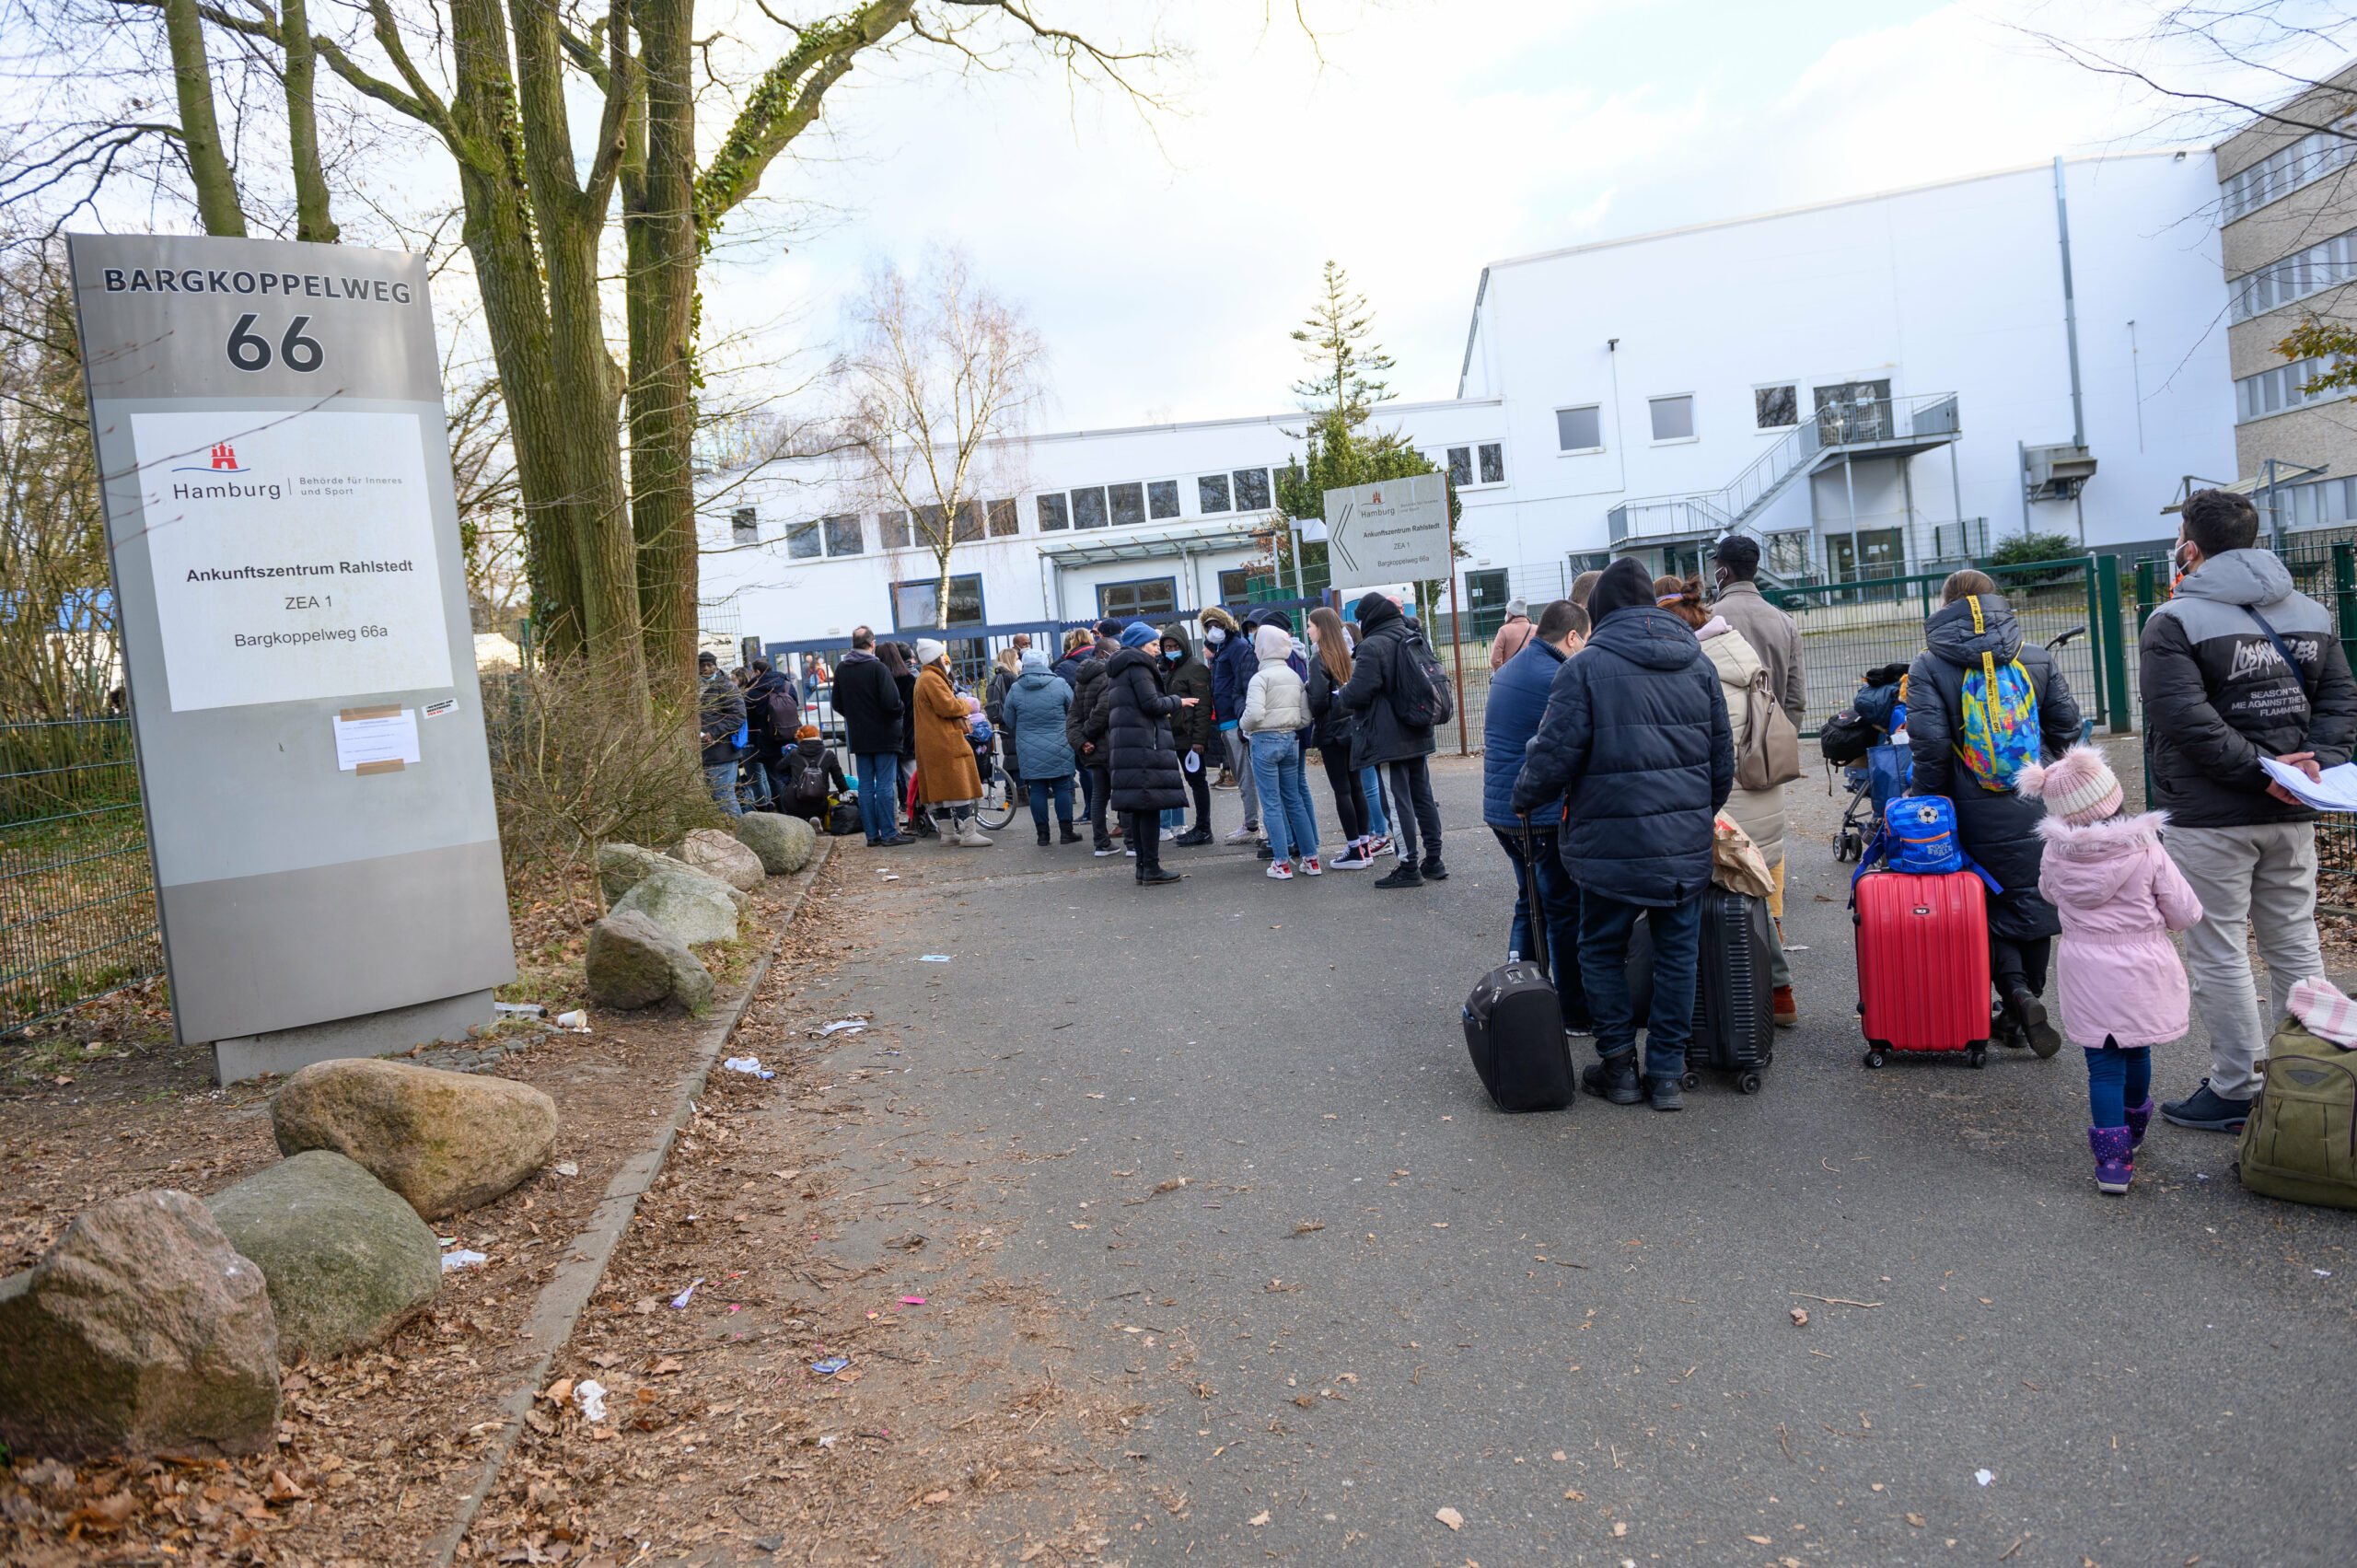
x=2123 y=989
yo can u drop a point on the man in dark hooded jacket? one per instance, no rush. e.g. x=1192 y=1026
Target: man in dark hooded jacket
x=1193 y=731
x=2220 y=694
x=1635 y=741
x=1085 y=727
x=1380 y=668
x=1130 y=724
x=1232 y=666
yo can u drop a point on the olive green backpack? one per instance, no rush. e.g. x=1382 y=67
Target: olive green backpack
x=2299 y=1141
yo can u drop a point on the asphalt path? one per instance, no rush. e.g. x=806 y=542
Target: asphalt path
x=1375 y=1297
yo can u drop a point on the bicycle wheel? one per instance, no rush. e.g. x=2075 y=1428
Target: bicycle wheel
x=997 y=808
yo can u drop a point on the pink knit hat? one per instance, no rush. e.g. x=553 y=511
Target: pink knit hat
x=2080 y=788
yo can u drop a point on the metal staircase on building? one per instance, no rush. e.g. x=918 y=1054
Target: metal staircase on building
x=1880 y=427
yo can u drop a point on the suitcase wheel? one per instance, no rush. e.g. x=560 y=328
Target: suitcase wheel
x=1748 y=1084
x=1976 y=1056
x=1875 y=1057
x=1692 y=1080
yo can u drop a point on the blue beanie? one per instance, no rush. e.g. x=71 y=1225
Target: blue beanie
x=1137 y=634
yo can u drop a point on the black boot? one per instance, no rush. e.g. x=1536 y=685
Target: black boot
x=1043 y=835
x=1065 y=835
x=1614 y=1078
x=2029 y=1015
x=1664 y=1094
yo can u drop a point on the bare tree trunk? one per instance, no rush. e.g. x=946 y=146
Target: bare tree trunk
x=663 y=255
x=313 y=220
x=208 y=163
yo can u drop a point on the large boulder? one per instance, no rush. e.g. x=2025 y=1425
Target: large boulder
x=719 y=854
x=632 y=962
x=784 y=843
x=688 y=904
x=348 y=1262
x=621 y=867
x=143 y=1330
x=442 y=1141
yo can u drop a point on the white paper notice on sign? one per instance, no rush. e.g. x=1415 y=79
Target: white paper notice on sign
x=383 y=736
x=293 y=555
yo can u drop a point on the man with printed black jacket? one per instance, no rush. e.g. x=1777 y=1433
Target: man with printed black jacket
x=2235 y=667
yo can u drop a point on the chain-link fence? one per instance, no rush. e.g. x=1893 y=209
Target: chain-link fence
x=77 y=898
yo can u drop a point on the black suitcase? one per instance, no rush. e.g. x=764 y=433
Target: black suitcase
x=1513 y=1024
x=1735 y=1010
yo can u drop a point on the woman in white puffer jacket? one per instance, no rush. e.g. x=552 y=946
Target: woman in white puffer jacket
x=1276 y=710
x=1758 y=812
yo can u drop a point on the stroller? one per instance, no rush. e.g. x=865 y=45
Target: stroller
x=1857 y=740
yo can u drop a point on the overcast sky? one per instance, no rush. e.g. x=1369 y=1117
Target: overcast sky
x=1165 y=261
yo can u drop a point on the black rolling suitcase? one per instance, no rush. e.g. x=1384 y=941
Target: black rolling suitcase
x=1735 y=1011
x=1514 y=1023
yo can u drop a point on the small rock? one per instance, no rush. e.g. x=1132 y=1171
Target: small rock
x=621 y=867
x=347 y=1260
x=689 y=905
x=719 y=854
x=632 y=962
x=784 y=843
x=442 y=1141
x=142 y=1330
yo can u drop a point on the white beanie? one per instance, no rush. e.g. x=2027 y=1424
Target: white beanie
x=1272 y=642
x=929 y=649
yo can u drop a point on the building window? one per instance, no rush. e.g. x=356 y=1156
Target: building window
x=745 y=525
x=1580 y=429
x=1787 y=554
x=1854 y=411
x=970 y=522
x=2321 y=506
x=1235 y=586
x=843 y=534
x=893 y=526
x=1128 y=505
x=1144 y=601
x=1252 y=490
x=1211 y=493
x=1491 y=458
x=1485 y=595
x=1673 y=417
x=1776 y=408
x=2272 y=391
x=2284 y=171
x=802 y=539
x=1460 y=466
x=1162 y=498
x=1089 y=508
x=2319 y=267
x=1053 y=513
x=914 y=605
x=1004 y=524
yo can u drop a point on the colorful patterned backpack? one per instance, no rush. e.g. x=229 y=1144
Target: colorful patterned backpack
x=1996 y=732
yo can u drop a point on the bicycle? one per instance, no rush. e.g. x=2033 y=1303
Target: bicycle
x=996 y=809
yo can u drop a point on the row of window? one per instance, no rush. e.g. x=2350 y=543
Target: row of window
x=916 y=605
x=1126 y=506
x=1854 y=411
x=2319 y=505
x=2319 y=267
x=2284 y=171
x=2272 y=391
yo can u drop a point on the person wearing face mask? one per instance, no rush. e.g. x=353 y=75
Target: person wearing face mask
x=1219 y=630
x=1192 y=730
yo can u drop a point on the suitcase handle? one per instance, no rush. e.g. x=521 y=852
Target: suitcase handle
x=1537 y=904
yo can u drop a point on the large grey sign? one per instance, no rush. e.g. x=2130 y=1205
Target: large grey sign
x=292 y=608
x=1396 y=528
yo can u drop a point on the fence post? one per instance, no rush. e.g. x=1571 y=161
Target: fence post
x=2096 y=642
x=2148 y=588
x=2115 y=666
x=2344 y=594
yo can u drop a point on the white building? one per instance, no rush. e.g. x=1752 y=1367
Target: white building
x=1873 y=387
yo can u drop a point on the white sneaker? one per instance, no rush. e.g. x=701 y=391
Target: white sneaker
x=1168 y=834
x=1280 y=871
x=1130 y=853
x=972 y=836
x=1243 y=835
x=1309 y=863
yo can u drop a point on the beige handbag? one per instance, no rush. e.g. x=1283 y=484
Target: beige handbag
x=1772 y=747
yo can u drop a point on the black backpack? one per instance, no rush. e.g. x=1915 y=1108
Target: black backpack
x=808 y=776
x=1846 y=739
x=1420 y=697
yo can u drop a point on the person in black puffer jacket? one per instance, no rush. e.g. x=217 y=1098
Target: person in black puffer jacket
x=1134 y=717
x=1193 y=732
x=869 y=701
x=1377 y=667
x=1997 y=828
x=1085 y=727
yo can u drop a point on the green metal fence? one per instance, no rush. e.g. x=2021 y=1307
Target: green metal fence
x=77 y=898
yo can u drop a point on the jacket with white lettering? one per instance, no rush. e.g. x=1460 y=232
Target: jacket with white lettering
x=2218 y=696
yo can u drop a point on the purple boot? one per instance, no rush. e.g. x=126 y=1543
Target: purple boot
x=2139 y=1118
x=2114 y=1151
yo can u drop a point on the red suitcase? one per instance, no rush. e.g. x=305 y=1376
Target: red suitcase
x=1923 y=964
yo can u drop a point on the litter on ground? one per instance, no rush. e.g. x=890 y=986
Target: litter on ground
x=681 y=1299
x=750 y=1064
x=463 y=1258
x=591 y=1397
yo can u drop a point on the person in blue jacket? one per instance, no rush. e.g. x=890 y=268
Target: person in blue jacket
x=1034 y=710
x=1517 y=701
x=1635 y=742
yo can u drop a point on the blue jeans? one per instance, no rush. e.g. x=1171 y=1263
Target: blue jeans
x=1604 y=926
x=722 y=777
x=1285 y=812
x=1371 y=790
x=1561 y=895
x=1041 y=791
x=2118 y=1077
x=877 y=775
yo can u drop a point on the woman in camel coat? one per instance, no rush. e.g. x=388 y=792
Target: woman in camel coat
x=946 y=778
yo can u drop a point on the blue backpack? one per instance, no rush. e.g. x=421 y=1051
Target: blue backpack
x=1918 y=839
